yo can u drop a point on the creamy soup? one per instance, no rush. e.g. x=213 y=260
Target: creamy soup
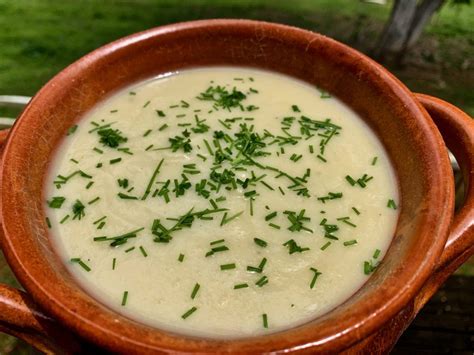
x=221 y=202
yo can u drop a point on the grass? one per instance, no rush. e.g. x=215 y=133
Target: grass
x=52 y=34
x=38 y=38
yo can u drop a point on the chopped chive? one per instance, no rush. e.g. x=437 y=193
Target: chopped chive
x=100 y=220
x=350 y=242
x=100 y=151
x=239 y=286
x=114 y=262
x=260 y=242
x=81 y=264
x=48 y=222
x=219 y=249
x=274 y=226
x=293 y=247
x=254 y=269
x=325 y=246
x=369 y=267
x=181 y=258
x=126 y=197
x=265 y=320
x=64 y=219
x=113 y=111
x=147 y=133
x=228 y=266
x=202 y=157
x=152 y=179
x=376 y=253
x=321 y=158
x=94 y=200
x=391 y=204
x=262 y=281
x=311 y=149
x=281 y=190
x=89 y=184
x=124 y=298
x=270 y=216
x=346 y=221
x=146 y=104
x=217 y=242
x=356 y=210
x=267 y=185
x=116 y=160
x=325 y=95
x=129 y=249
x=163 y=127
x=226 y=220
x=143 y=251
x=74 y=161
x=56 y=202
x=160 y=113
x=208 y=146
x=195 y=290
x=189 y=312
x=350 y=180
x=71 y=130
x=315 y=277
x=374 y=161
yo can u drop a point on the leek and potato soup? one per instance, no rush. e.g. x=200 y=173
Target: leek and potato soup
x=221 y=202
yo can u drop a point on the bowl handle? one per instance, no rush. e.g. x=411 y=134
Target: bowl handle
x=22 y=318
x=457 y=129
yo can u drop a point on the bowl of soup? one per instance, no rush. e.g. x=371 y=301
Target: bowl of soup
x=229 y=185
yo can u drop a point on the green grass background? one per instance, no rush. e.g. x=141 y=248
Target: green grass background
x=38 y=38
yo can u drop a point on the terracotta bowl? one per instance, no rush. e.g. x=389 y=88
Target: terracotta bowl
x=431 y=241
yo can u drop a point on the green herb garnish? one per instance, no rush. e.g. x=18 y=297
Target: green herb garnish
x=71 y=130
x=189 y=312
x=81 y=264
x=315 y=277
x=228 y=266
x=111 y=137
x=391 y=204
x=124 y=298
x=260 y=242
x=78 y=210
x=293 y=247
x=56 y=202
x=195 y=290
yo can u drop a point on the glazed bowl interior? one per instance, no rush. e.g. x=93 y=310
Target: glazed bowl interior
x=409 y=136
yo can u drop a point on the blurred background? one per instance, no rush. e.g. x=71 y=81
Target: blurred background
x=427 y=44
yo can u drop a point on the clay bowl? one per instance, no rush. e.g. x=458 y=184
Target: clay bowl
x=54 y=312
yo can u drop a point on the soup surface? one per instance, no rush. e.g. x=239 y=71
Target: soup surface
x=221 y=202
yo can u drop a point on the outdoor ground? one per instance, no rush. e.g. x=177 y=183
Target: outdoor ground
x=38 y=38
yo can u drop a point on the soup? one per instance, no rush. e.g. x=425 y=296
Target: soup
x=221 y=202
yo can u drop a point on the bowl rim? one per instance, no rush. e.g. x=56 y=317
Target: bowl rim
x=27 y=268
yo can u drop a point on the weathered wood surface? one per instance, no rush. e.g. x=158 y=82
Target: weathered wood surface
x=446 y=323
